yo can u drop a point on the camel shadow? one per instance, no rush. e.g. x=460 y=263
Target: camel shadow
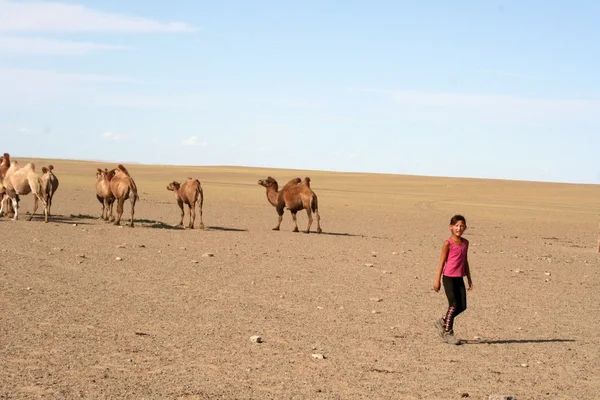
x=58 y=219
x=516 y=341
x=340 y=234
x=149 y=223
x=222 y=228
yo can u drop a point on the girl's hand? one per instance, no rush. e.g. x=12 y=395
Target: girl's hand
x=470 y=283
x=436 y=286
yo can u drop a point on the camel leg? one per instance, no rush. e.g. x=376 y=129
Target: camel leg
x=35 y=207
x=279 y=219
x=15 y=204
x=110 y=206
x=49 y=204
x=132 y=200
x=180 y=204
x=295 y=222
x=192 y=215
x=46 y=208
x=2 y=202
x=201 y=226
x=120 y=203
x=310 y=220
x=319 y=230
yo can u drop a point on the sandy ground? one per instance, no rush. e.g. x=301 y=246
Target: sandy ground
x=77 y=323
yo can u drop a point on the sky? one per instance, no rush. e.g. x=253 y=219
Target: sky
x=507 y=90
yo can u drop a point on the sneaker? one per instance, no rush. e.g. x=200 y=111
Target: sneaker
x=439 y=325
x=450 y=339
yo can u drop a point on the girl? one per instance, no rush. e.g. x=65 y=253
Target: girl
x=453 y=266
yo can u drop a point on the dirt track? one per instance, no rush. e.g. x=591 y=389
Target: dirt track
x=157 y=325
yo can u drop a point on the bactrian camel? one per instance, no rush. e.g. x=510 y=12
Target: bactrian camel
x=49 y=185
x=122 y=188
x=296 y=195
x=22 y=181
x=189 y=192
x=4 y=165
x=104 y=195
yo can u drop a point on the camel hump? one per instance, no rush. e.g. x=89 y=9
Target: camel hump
x=122 y=168
x=30 y=166
x=307 y=181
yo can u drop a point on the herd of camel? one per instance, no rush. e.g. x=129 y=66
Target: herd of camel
x=118 y=185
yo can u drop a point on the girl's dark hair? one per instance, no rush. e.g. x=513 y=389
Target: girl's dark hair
x=457 y=218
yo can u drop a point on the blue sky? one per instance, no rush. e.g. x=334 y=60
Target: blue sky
x=470 y=89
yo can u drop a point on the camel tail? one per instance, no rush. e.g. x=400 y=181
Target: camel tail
x=314 y=204
x=200 y=193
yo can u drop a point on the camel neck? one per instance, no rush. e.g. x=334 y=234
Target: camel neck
x=272 y=196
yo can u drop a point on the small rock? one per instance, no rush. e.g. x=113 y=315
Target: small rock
x=129 y=360
x=319 y=307
x=256 y=339
x=194 y=261
x=464 y=395
x=368 y=265
x=160 y=251
x=141 y=245
x=524 y=365
x=501 y=397
x=118 y=259
x=546 y=280
x=318 y=356
x=120 y=246
x=395 y=253
x=182 y=248
x=74 y=224
x=547 y=273
x=27 y=288
x=81 y=255
x=208 y=255
x=518 y=271
x=57 y=249
x=386 y=272
x=374 y=312
x=476 y=337
x=376 y=299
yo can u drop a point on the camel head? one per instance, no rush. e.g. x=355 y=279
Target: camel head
x=268 y=183
x=173 y=186
x=5 y=160
x=101 y=173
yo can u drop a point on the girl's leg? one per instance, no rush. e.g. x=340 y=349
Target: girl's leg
x=457 y=300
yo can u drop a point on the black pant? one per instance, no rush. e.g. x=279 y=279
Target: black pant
x=457 y=299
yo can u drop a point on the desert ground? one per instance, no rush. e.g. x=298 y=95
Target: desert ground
x=166 y=321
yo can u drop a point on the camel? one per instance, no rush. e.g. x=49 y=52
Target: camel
x=4 y=165
x=49 y=185
x=104 y=195
x=189 y=192
x=296 y=195
x=22 y=181
x=122 y=187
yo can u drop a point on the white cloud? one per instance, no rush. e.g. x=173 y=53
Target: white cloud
x=193 y=141
x=43 y=46
x=24 y=131
x=58 y=17
x=488 y=107
x=113 y=136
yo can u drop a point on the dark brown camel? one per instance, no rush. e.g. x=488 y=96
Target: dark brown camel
x=296 y=195
x=49 y=185
x=189 y=192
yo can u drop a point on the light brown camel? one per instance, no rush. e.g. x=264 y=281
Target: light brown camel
x=22 y=181
x=294 y=196
x=189 y=192
x=122 y=187
x=49 y=185
x=104 y=195
x=4 y=165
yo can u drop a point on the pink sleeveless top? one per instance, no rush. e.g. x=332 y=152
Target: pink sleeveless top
x=457 y=257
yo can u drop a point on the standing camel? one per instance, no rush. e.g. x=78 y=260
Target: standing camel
x=189 y=192
x=294 y=196
x=104 y=195
x=4 y=165
x=49 y=185
x=122 y=187
x=22 y=181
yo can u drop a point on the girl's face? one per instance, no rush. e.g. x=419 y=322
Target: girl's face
x=458 y=228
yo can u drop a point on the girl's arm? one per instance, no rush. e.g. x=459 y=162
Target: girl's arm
x=468 y=271
x=443 y=257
